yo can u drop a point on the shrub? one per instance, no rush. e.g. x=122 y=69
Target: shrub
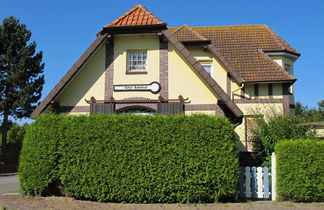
x=129 y=158
x=300 y=171
x=16 y=134
x=38 y=166
x=274 y=129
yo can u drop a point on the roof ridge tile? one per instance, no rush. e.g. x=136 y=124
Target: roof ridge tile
x=135 y=17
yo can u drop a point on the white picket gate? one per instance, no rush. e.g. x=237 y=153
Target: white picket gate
x=254 y=182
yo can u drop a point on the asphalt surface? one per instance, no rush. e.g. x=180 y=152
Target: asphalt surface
x=9 y=184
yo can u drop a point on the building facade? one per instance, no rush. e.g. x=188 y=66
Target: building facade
x=139 y=65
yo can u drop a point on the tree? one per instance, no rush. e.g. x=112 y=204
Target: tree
x=21 y=71
x=277 y=128
x=310 y=114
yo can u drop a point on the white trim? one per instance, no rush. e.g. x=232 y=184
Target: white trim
x=287 y=54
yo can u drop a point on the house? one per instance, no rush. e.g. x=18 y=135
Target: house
x=138 y=65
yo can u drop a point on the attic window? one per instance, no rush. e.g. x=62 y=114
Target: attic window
x=207 y=66
x=136 y=60
x=287 y=67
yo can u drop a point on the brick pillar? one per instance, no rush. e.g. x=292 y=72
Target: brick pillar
x=164 y=69
x=109 y=73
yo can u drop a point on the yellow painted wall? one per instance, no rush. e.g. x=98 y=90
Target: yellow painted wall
x=263 y=91
x=249 y=91
x=89 y=81
x=282 y=60
x=264 y=109
x=218 y=72
x=128 y=42
x=208 y=112
x=277 y=90
x=184 y=81
x=235 y=90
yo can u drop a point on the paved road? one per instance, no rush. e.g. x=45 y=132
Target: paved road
x=9 y=184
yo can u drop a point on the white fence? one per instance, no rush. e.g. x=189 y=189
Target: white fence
x=254 y=182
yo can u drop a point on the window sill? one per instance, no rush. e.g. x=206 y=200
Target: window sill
x=138 y=72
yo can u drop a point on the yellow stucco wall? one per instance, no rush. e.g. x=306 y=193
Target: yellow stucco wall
x=127 y=42
x=89 y=81
x=218 y=72
x=264 y=109
x=235 y=90
x=208 y=112
x=184 y=81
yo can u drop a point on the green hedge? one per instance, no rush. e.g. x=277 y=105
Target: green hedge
x=300 y=170
x=129 y=158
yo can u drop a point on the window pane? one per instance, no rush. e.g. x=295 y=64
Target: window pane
x=137 y=60
x=207 y=67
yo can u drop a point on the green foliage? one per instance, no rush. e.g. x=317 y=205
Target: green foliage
x=300 y=171
x=130 y=158
x=16 y=134
x=276 y=128
x=38 y=166
x=21 y=72
x=310 y=114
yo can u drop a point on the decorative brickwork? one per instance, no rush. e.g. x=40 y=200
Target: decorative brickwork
x=164 y=69
x=270 y=90
x=109 y=73
x=256 y=91
x=286 y=100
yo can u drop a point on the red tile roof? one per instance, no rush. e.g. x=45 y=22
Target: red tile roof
x=244 y=47
x=137 y=16
x=187 y=34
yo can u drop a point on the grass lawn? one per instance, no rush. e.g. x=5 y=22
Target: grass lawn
x=15 y=201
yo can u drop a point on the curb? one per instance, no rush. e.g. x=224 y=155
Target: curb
x=8 y=174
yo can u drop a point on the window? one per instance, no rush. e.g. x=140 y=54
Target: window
x=207 y=67
x=287 y=68
x=136 y=61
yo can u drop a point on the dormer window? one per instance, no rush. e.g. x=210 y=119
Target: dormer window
x=287 y=68
x=136 y=60
x=207 y=66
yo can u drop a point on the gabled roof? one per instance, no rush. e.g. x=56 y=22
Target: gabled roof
x=137 y=16
x=205 y=76
x=187 y=34
x=68 y=76
x=244 y=48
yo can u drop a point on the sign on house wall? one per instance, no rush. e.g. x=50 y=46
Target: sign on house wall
x=154 y=87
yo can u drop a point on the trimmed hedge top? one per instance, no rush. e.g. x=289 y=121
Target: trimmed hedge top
x=131 y=158
x=300 y=170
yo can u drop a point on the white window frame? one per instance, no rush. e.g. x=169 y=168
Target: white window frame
x=203 y=64
x=136 y=60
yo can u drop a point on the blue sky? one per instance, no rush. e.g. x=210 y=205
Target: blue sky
x=63 y=29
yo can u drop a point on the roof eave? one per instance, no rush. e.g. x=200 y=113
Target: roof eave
x=68 y=76
x=292 y=81
x=133 y=29
x=286 y=53
x=196 y=42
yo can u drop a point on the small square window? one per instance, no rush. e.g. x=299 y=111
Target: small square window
x=287 y=68
x=207 y=67
x=136 y=60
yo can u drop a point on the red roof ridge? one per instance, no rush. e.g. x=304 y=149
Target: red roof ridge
x=136 y=16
